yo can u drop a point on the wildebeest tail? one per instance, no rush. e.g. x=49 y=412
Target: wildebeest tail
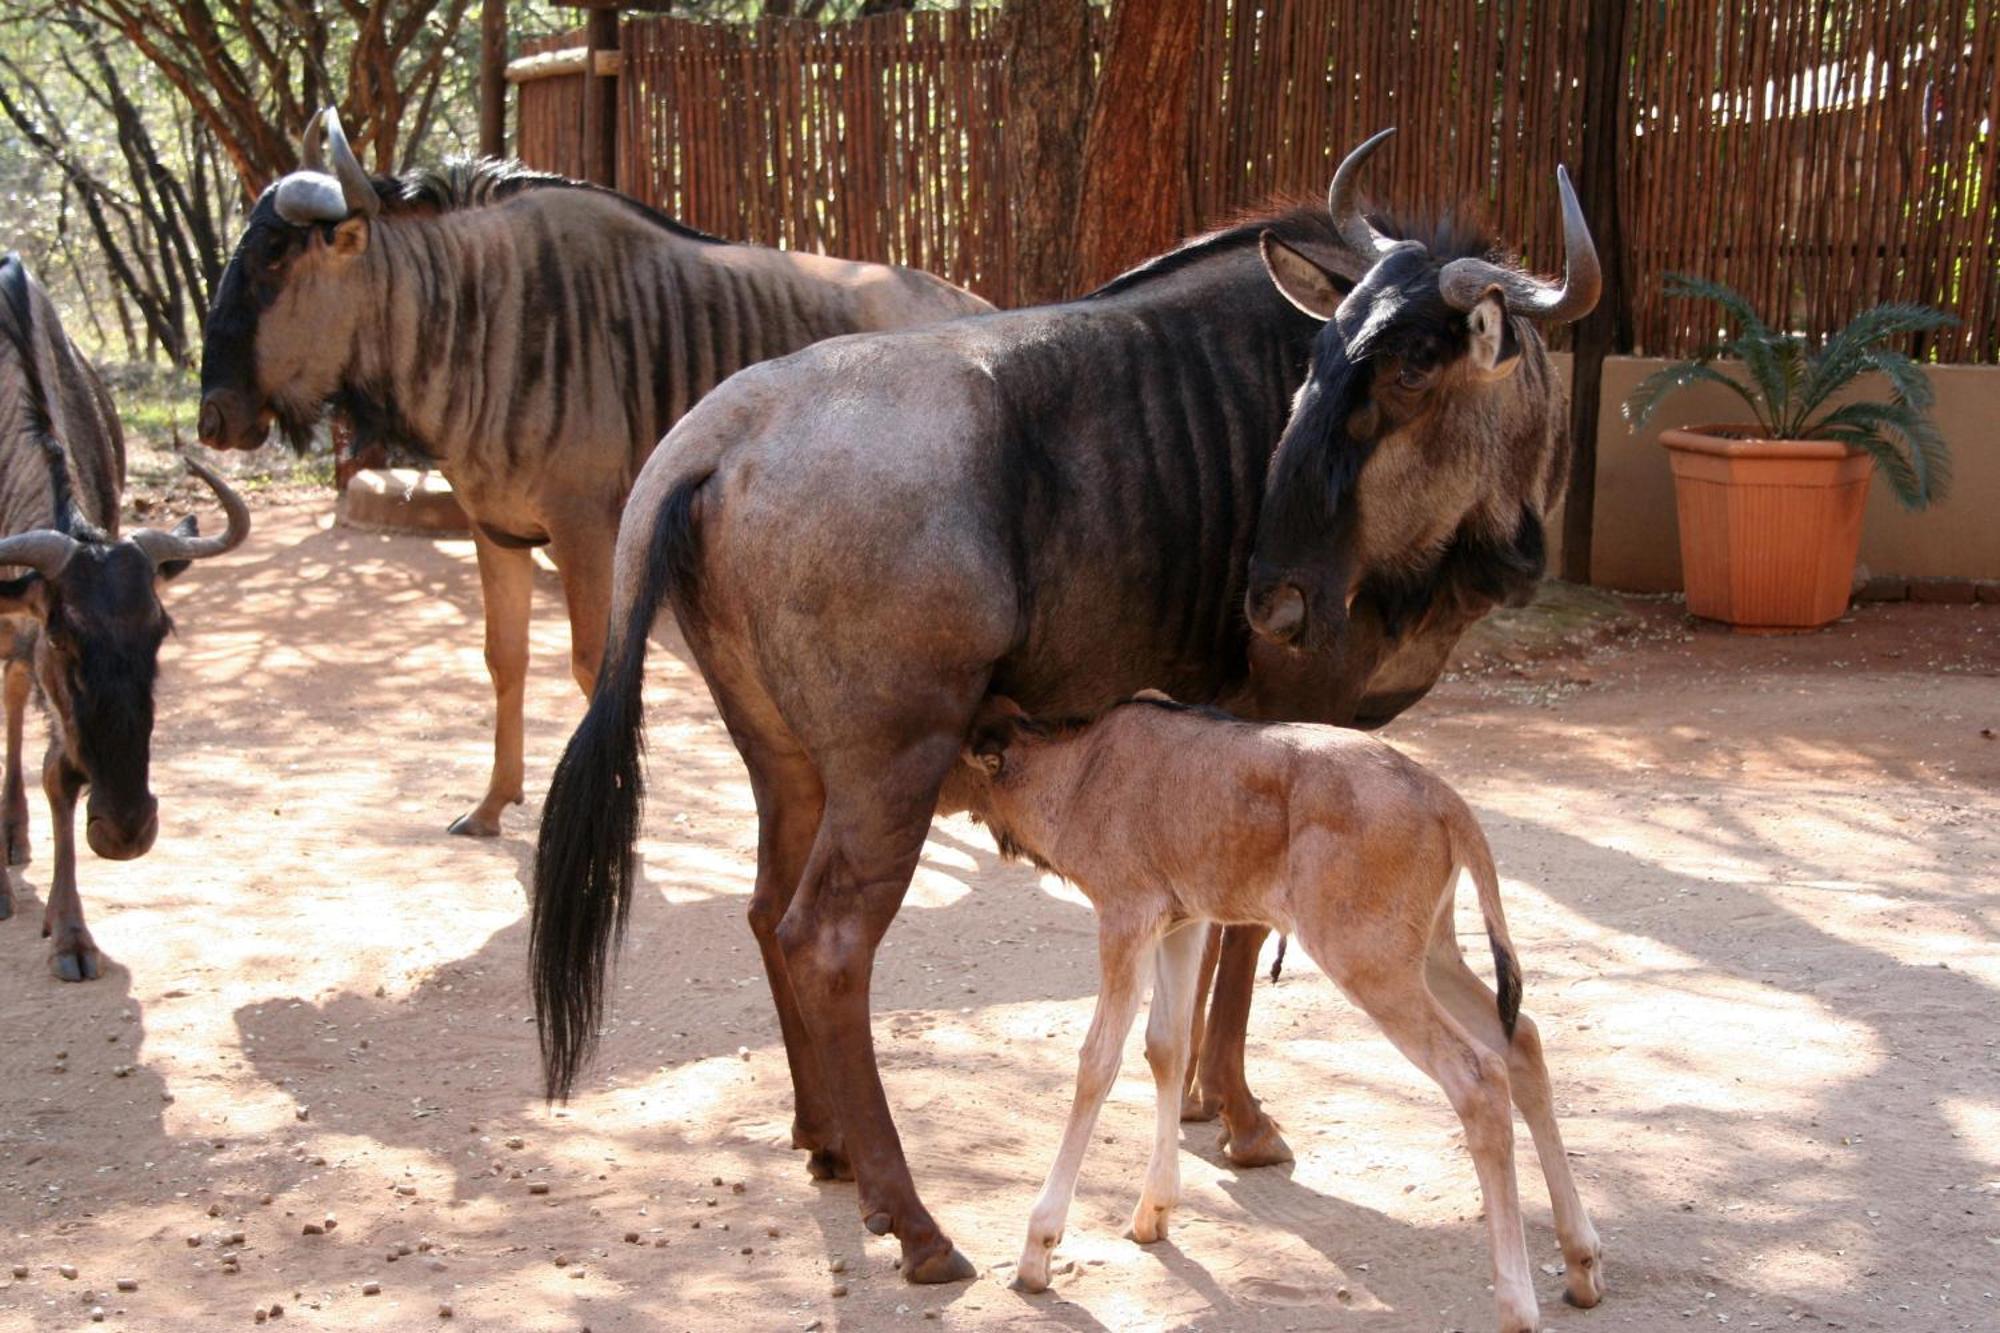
x=584 y=856
x=1469 y=849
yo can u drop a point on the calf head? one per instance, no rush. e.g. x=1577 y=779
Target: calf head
x=282 y=322
x=1413 y=417
x=97 y=604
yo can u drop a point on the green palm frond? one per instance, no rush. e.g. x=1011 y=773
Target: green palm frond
x=1639 y=404
x=1788 y=384
x=1905 y=444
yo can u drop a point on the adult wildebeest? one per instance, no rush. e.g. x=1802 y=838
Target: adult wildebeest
x=85 y=622
x=1059 y=505
x=1168 y=816
x=533 y=336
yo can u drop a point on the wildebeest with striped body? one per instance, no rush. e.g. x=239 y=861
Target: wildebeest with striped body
x=533 y=336
x=1059 y=505
x=85 y=622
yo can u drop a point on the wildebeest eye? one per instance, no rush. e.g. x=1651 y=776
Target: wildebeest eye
x=1413 y=376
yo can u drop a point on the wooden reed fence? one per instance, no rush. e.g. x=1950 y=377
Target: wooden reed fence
x=1820 y=155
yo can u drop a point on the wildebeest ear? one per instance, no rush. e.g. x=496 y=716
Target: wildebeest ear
x=993 y=728
x=1494 y=351
x=1314 y=290
x=173 y=569
x=25 y=596
x=350 y=238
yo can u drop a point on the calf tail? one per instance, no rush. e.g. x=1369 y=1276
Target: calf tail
x=1469 y=849
x=584 y=855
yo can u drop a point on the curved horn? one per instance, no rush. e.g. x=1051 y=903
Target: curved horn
x=306 y=197
x=1464 y=281
x=354 y=187
x=160 y=547
x=43 y=550
x=1355 y=233
x=309 y=146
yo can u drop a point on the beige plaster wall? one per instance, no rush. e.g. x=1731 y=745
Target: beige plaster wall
x=1635 y=545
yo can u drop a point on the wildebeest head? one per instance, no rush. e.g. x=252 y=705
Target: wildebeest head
x=279 y=328
x=101 y=625
x=1412 y=411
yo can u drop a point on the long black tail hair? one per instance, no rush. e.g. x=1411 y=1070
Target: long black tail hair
x=584 y=855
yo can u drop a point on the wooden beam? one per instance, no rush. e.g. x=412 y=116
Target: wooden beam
x=600 y=100
x=554 y=64
x=1608 y=328
x=493 y=78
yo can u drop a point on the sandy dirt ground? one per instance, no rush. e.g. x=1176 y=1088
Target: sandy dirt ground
x=1752 y=881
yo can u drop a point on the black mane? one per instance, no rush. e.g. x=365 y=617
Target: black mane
x=1455 y=233
x=466 y=183
x=41 y=421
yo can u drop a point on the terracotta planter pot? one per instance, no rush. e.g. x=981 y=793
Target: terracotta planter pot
x=1769 y=528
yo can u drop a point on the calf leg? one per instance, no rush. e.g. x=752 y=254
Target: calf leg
x=1195 y=1104
x=1249 y=1136
x=1121 y=961
x=20 y=681
x=73 y=953
x=1469 y=1001
x=1177 y=959
x=1475 y=1079
x=506 y=585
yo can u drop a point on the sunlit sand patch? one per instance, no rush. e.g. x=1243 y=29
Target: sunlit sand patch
x=1977 y=1123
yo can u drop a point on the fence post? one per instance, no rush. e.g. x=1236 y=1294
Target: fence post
x=1607 y=329
x=600 y=99
x=493 y=78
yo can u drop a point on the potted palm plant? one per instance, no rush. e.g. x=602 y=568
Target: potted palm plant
x=1770 y=508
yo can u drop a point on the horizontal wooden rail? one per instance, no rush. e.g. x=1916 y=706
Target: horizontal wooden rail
x=555 y=64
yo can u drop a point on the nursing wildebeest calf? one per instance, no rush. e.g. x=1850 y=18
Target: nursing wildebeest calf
x=85 y=622
x=1167 y=817
x=533 y=336
x=1059 y=505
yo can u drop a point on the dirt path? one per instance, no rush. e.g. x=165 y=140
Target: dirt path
x=1753 y=883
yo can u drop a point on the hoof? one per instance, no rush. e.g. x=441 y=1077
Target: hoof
x=1149 y=1223
x=1585 y=1285
x=472 y=824
x=829 y=1164
x=946 y=1265
x=1197 y=1109
x=1262 y=1146
x=75 y=964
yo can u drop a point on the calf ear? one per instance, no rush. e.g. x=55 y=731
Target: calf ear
x=350 y=238
x=1494 y=351
x=993 y=728
x=173 y=569
x=1313 y=289
x=25 y=596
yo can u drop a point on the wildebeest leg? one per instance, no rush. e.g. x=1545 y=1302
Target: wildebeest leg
x=15 y=800
x=1475 y=1079
x=1469 y=1000
x=1249 y=1137
x=73 y=954
x=1195 y=1104
x=1122 y=959
x=879 y=802
x=506 y=585
x=1176 y=960
x=581 y=549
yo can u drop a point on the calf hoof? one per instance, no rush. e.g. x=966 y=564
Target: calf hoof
x=1198 y=1108
x=1032 y=1273
x=1149 y=1222
x=829 y=1164
x=1262 y=1145
x=939 y=1266
x=75 y=963
x=1584 y=1284
x=472 y=824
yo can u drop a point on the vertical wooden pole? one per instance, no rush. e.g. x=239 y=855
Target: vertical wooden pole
x=493 y=78
x=1608 y=328
x=600 y=100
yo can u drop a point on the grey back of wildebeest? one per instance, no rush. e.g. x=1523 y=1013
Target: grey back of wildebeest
x=67 y=422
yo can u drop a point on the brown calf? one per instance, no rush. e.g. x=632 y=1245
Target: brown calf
x=1168 y=817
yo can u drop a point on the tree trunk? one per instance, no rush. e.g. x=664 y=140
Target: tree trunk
x=1046 y=55
x=1135 y=158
